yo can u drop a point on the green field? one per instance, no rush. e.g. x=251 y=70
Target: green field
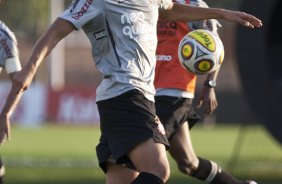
x=66 y=154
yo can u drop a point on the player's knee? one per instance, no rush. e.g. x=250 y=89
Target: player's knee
x=117 y=174
x=165 y=173
x=162 y=171
x=188 y=167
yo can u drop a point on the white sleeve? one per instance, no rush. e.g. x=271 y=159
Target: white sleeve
x=165 y=4
x=82 y=11
x=12 y=65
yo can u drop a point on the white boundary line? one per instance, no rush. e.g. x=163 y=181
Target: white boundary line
x=50 y=162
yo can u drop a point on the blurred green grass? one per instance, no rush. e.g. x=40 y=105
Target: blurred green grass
x=66 y=154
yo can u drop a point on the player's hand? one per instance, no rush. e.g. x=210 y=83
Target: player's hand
x=243 y=18
x=22 y=80
x=207 y=100
x=4 y=128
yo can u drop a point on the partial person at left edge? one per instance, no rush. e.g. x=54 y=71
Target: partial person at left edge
x=10 y=62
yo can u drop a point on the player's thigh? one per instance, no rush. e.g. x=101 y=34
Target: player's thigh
x=117 y=174
x=181 y=148
x=150 y=156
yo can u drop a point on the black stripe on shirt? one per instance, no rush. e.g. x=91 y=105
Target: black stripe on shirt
x=112 y=41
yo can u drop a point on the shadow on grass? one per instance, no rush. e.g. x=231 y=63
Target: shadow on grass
x=101 y=181
x=83 y=181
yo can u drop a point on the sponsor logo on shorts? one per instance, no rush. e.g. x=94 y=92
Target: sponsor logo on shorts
x=160 y=126
x=99 y=35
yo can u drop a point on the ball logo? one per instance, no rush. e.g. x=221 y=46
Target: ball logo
x=187 y=50
x=204 y=39
x=204 y=65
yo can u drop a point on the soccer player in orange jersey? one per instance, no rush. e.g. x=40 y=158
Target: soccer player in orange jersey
x=175 y=89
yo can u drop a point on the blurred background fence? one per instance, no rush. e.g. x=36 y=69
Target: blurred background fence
x=74 y=103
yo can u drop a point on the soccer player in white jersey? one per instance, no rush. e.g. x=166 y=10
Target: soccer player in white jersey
x=9 y=60
x=123 y=38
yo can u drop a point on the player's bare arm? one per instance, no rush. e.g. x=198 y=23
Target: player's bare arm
x=186 y=13
x=8 y=109
x=207 y=98
x=56 y=32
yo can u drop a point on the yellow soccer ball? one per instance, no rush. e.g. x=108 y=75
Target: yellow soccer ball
x=201 y=51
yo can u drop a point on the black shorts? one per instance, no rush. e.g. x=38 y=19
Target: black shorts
x=173 y=112
x=126 y=121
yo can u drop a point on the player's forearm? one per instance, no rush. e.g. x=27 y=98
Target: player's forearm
x=186 y=13
x=10 y=105
x=213 y=75
x=41 y=50
x=56 y=32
